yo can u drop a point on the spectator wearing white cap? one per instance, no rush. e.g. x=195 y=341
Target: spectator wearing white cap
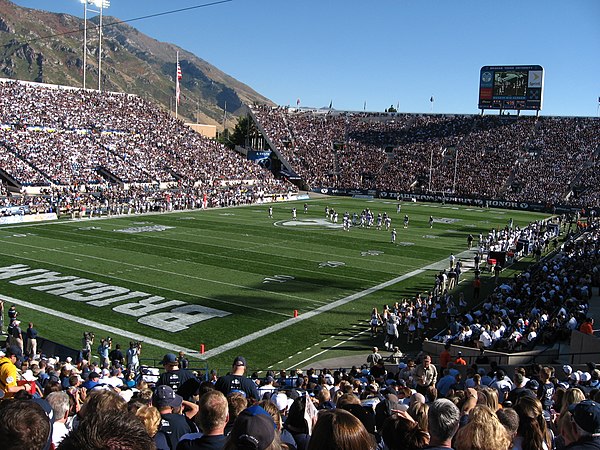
x=283 y=402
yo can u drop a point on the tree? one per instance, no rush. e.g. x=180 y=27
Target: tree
x=243 y=130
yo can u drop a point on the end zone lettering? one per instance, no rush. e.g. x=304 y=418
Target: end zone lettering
x=101 y=294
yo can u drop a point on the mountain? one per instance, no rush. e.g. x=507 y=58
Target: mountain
x=132 y=62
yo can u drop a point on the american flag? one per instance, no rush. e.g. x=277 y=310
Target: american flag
x=177 y=89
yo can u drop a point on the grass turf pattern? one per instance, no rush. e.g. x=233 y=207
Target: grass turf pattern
x=241 y=262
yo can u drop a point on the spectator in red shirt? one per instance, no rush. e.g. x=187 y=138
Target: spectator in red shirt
x=459 y=360
x=445 y=356
x=587 y=327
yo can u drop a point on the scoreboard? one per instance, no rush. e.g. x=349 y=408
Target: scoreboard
x=511 y=87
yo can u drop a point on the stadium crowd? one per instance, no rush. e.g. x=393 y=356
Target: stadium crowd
x=105 y=399
x=115 y=403
x=52 y=136
x=546 y=160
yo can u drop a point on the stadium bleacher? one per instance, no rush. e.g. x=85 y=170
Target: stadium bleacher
x=80 y=147
x=499 y=157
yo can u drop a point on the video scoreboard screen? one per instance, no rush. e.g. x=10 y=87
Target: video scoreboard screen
x=511 y=87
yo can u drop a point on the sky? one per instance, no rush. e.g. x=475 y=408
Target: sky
x=382 y=52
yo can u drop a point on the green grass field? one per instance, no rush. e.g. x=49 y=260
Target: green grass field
x=250 y=273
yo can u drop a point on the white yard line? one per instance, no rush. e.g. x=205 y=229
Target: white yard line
x=238 y=342
x=168 y=272
x=298 y=364
x=141 y=283
x=466 y=255
x=315 y=312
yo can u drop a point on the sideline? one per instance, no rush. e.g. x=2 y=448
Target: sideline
x=101 y=326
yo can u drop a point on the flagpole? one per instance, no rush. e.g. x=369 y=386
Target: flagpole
x=177 y=88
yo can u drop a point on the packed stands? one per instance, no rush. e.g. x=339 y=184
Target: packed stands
x=544 y=160
x=55 y=136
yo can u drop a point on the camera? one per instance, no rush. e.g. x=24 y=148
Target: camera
x=88 y=336
x=135 y=344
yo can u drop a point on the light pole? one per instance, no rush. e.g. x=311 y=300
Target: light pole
x=101 y=5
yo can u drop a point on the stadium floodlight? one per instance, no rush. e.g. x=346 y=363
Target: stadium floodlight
x=101 y=5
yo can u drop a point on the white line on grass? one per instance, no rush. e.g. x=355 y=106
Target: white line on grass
x=141 y=283
x=100 y=326
x=168 y=272
x=327 y=349
x=315 y=312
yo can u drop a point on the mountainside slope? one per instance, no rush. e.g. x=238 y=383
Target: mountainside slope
x=132 y=62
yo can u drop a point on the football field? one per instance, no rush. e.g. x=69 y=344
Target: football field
x=278 y=291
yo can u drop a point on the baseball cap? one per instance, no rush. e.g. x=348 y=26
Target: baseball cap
x=28 y=376
x=239 y=361
x=13 y=350
x=585 y=376
x=586 y=415
x=93 y=375
x=254 y=428
x=166 y=396
x=567 y=369
x=169 y=358
x=533 y=385
x=280 y=400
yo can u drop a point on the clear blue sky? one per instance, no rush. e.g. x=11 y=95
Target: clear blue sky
x=383 y=52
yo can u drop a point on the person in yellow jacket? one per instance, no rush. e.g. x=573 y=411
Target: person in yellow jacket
x=8 y=372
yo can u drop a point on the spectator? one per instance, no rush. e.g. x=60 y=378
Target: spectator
x=24 y=425
x=401 y=433
x=236 y=381
x=426 y=375
x=254 y=428
x=533 y=432
x=109 y=430
x=169 y=404
x=180 y=380
x=339 y=429
x=150 y=417
x=585 y=425
x=211 y=419
x=59 y=401
x=483 y=431
x=443 y=420
x=8 y=372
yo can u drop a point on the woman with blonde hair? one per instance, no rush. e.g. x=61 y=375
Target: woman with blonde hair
x=563 y=425
x=491 y=398
x=150 y=417
x=533 y=433
x=483 y=431
x=418 y=411
x=338 y=429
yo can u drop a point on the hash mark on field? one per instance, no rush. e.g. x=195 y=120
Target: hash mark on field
x=327 y=349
